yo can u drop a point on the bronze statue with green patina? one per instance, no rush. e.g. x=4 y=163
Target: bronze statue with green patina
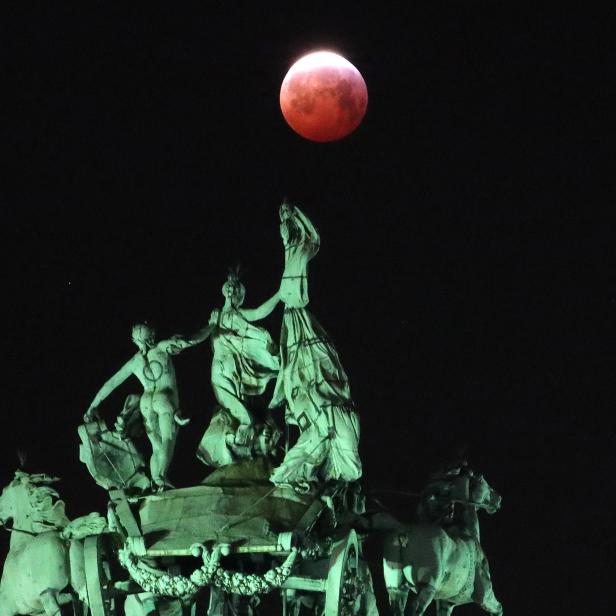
x=439 y=555
x=159 y=403
x=312 y=384
x=244 y=360
x=45 y=564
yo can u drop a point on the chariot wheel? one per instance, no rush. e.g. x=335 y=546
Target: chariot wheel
x=342 y=587
x=99 y=580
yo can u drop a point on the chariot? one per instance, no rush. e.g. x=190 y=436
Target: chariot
x=237 y=537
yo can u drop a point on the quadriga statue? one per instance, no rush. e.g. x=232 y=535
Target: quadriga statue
x=45 y=564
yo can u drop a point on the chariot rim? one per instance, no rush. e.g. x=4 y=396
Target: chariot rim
x=342 y=578
x=99 y=578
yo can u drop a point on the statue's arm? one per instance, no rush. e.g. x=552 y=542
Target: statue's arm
x=113 y=383
x=176 y=344
x=265 y=309
x=203 y=334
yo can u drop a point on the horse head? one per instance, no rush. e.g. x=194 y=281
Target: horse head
x=482 y=495
x=14 y=497
x=30 y=502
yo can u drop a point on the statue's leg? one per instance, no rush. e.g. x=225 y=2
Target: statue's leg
x=443 y=608
x=167 y=431
x=49 y=599
x=423 y=599
x=490 y=603
x=77 y=569
x=397 y=600
x=150 y=422
x=393 y=574
x=227 y=389
x=483 y=593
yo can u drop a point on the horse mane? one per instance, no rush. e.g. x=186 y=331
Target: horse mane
x=47 y=508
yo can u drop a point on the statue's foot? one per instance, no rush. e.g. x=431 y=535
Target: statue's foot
x=301 y=487
x=160 y=485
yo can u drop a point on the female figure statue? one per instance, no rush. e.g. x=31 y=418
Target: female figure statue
x=312 y=380
x=245 y=360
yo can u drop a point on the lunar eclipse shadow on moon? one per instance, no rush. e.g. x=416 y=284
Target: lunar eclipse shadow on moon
x=323 y=97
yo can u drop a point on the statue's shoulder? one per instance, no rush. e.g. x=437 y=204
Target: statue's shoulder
x=136 y=362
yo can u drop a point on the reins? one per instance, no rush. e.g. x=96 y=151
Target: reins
x=418 y=495
x=17 y=530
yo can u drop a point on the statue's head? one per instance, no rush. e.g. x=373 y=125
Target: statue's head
x=285 y=211
x=30 y=500
x=15 y=496
x=481 y=493
x=143 y=336
x=234 y=290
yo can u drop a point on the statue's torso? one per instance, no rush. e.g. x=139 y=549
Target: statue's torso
x=230 y=323
x=155 y=371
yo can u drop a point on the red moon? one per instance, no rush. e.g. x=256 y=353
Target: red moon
x=323 y=97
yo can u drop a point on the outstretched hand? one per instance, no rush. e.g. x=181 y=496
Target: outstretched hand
x=120 y=425
x=214 y=316
x=91 y=415
x=177 y=344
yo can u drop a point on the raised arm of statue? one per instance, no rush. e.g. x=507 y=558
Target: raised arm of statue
x=264 y=310
x=113 y=383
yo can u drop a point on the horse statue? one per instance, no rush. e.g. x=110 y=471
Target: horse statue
x=439 y=557
x=44 y=568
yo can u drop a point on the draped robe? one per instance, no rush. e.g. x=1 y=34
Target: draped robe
x=311 y=380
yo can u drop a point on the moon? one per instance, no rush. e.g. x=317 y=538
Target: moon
x=323 y=97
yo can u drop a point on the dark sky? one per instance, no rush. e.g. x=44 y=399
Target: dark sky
x=466 y=226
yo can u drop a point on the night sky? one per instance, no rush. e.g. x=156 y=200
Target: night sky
x=466 y=231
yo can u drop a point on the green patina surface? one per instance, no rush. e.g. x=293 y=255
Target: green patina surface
x=246 y=501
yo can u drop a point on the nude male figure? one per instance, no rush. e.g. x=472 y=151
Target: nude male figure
x=159 y=402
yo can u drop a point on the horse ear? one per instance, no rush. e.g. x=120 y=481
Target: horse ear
x=42 y=479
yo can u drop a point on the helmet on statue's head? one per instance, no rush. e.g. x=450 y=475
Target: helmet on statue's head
x=233 y=288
